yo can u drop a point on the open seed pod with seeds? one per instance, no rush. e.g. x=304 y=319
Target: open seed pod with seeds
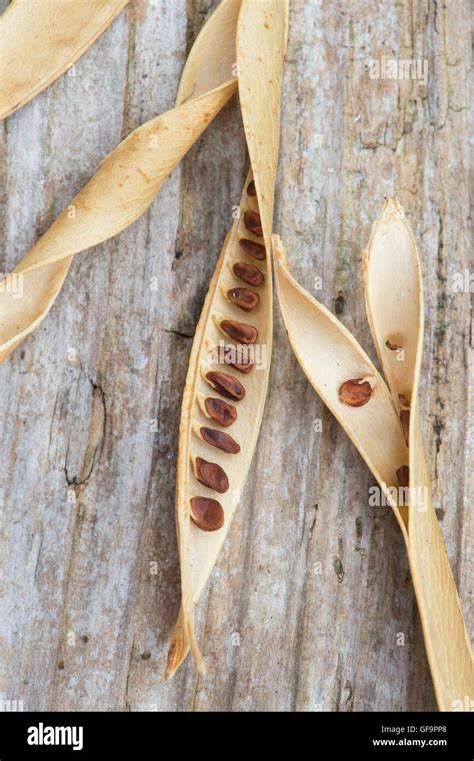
x=383 y=421
x=229 y=366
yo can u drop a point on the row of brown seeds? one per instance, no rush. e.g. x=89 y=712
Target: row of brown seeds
x=208 y=513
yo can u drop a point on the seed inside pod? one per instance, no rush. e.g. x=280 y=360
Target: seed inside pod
x=226 y=385
x=242 y=363
x=239 y=331
x=211 y=474
x=403 y=475
x=392 y=346
x=251 y=189
x=248 y=273
x=355 y=392
x=243 y=298
x=253 y=223
x=235 y=358
x=405 y=421
x=220 y=440
x=207 y=514
x=403 y=400
x=225 y=414
x=252 y=248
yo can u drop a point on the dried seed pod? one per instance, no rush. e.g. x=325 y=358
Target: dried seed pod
x=260 y=90
x=253 y=223
x=243 y=298
x=405 y=421
x=211 y=474
x=32 y=60
x=252 y=248
x=391 y=276
x=251 y=189
x=226 y=385
x=248 y=273
x=394 y=300
x=219 y=439
x=232 y=457
x=392 y=346
x=326 y=350
x=355 y=392
x=206 y=513
x=223 y=413
x=131 y=176
x=239 y=331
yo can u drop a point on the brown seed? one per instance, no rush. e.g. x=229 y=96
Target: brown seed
x=225 y=414
x=403 y=400
x=239 y=360
x=211 y=474
x=220 y=440
x=239 y=331
x=243 y=364
x=405 y=421
x=252 y=248
x=391 y=346
x=248 y=273
x=253 y=223
x=207 y=514
x=251 y=189
x=403 y=476
x=226 y=385
x=243 y=298
x=355 y=392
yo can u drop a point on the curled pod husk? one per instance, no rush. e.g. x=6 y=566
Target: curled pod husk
x=394 y=301
x=39 y=40
x=345 y=378
x=224 y=396
x=127 y=181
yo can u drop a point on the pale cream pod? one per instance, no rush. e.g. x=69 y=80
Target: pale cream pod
x=381 y=428
x=40 y=40
x=395 y=314
x=208 y=462
x=127 y=181
x=330 y=357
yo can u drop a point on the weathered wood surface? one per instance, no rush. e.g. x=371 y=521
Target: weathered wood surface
x=312 y=591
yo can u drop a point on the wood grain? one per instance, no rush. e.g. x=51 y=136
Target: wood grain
x=312 y=592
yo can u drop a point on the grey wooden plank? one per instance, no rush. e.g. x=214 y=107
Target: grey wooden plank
x=312 y=590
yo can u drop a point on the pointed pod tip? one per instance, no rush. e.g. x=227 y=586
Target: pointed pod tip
x=179 y=647
x=393 y=206
x=177 y=653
